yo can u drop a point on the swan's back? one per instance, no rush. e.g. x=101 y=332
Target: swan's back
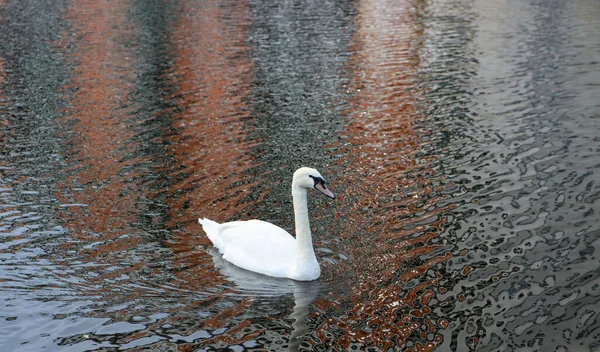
x=253 y=245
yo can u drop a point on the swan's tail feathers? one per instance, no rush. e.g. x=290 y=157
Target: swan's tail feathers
x=212 y=231
x=207 y=224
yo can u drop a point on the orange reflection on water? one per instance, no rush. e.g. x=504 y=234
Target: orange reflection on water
x=390 y=191
x=208 y=149
x=3 y=105
x=100 y=193
x=2 y=71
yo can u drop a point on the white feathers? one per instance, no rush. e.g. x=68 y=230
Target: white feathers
x=264 y=248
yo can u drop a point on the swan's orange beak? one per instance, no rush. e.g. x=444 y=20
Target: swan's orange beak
x=323 y=189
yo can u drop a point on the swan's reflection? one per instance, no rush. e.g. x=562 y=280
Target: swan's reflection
x=257 y=284
x=304 y=294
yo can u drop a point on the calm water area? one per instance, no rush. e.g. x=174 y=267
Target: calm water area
x=462 y=139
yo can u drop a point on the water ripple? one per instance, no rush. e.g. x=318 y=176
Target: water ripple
x=460 y=137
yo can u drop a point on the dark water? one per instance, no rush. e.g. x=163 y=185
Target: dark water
x=462 y=139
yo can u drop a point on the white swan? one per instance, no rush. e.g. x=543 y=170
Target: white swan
x=264 y=248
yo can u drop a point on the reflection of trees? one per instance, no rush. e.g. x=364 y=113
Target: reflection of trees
x=204 y=171
x=101 y=137
x=208 y=153
x=393 y=220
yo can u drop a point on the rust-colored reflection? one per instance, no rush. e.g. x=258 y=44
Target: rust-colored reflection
x=393 y=213
x=101 y=137
x=3 y=105
x=100 y=194
x=207 y=148
x=2 y=64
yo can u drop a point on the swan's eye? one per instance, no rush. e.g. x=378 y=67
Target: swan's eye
x=318 y=180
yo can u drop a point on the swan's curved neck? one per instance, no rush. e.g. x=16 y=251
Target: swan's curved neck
x=304 y=247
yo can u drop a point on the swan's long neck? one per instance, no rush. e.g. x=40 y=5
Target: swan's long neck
x=303 y=235
x=305 y=265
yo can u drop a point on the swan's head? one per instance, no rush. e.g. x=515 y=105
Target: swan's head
x=306 y=177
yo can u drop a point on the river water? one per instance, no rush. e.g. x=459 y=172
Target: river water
x=461 y=137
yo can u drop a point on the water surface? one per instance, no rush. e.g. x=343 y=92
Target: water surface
x=460 y=137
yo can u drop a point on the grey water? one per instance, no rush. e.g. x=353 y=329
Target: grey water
x=462 y=139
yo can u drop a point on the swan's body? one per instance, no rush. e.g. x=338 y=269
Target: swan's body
x=264 y=248
x=257 y=246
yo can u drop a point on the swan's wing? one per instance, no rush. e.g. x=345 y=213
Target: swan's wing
x=258 y=246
